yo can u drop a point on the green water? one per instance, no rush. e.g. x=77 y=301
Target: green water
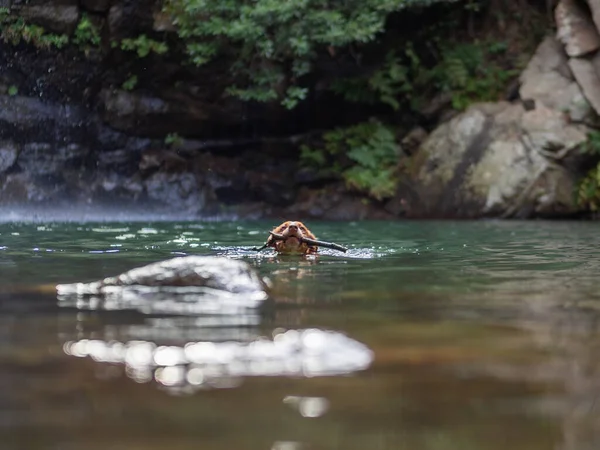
x=485 y=336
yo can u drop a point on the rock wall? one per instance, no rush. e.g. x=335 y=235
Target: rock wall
x=72 y=134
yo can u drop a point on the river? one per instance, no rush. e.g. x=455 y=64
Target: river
x=485 y=335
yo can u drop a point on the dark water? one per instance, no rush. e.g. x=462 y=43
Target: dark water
x=484 y=335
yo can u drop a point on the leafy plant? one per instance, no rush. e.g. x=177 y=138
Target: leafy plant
x=130 y=83
x=173 y=140
x=14 y=29
x=469 y=73
x=143 y=46
x=384 y=85
x=86 y=34
x=364 y=155
x=274 y=43
x=588 y=189
x=592 y=145
x=12 y=90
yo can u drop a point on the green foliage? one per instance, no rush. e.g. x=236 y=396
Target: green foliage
x=274 y=43
x=130 y=83
x=12 y=90
x=143 y=46
x=86 y=34
x=364 y=155
x=469 y=73
x=592 y=145
x=384 y=85
x=173 y=140
x=588 y=190
x=293 y=96
x=14 y=29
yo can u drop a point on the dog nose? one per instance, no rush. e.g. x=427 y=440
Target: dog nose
x=293 y=226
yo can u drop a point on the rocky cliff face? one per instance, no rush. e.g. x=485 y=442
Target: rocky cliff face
x=87 y=124
x=521 y=159
x=517 y=159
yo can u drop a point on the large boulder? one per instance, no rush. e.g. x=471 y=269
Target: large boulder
x=547 y=79
x=576 y=29
x=496 y=160
x=578 y=32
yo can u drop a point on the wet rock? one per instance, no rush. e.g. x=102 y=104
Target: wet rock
x=27 y=119
x=191 y=284
x=96 y=5
x=113 y=140
x=24 y=188
x=547 y=79
x=115 y=183
x=413 y=140
x=180 y=190
x=58 y=16
x=334 y=203
x=115 y=19
x=8 y=155
x=122 y=161
x=160 y=158
x=576 y=29
x=595 y=10
x=128 y=19
x=163 y=22
x=44 y=158
x=587 y=77
x=498 y=159
x=150 y=116
x=22 y=110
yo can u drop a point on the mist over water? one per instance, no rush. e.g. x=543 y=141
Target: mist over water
x=100 y=213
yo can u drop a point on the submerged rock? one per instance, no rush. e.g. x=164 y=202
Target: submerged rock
x=185 y=285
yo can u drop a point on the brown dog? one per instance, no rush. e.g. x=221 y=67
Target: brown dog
x=292 y=231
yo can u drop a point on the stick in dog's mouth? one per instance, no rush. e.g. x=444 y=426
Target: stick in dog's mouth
x=331 y=245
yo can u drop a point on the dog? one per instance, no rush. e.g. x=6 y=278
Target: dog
x=292 y=231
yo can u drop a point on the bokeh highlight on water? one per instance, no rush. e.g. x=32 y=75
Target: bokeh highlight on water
x=481 y=335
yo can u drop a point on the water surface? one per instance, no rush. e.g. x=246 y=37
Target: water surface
x=484 y=335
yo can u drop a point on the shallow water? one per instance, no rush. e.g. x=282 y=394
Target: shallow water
x=484 y=336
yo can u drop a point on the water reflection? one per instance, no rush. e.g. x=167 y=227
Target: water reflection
x=166 y=300
x=198 y=365
x=308 y=406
